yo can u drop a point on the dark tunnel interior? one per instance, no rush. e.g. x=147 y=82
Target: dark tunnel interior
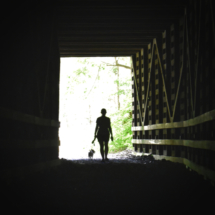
x=172 y=45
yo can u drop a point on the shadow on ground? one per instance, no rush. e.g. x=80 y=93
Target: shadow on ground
x=116 y=187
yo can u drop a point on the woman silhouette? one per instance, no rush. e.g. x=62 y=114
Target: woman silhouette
x=102 y=132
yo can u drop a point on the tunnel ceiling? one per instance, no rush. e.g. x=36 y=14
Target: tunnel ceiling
x=110 y=28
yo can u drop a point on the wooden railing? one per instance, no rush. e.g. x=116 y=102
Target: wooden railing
x=209 y=116
x=199 y=144
x=27 y=118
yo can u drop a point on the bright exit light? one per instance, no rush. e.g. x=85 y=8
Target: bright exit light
x=86 y=86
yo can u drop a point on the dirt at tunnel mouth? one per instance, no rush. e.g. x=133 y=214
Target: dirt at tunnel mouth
x=120 y=186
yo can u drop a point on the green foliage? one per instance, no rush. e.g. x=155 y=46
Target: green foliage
x=82 y=71
x=121 y=120
x=115 y=70
x=121 y=126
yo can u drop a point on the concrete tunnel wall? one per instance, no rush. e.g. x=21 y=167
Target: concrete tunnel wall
x=30 y=92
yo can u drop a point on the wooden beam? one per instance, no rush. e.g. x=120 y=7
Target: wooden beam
x=162 y=17
x=149 y=79
x=206 y=117
x=152 y=25
x=68 y=29
x=129 y=27
x=97 y=52
x=198 y=144
x=94 y=55
x=105 y=40
x=108 y=35
x=74 y=49
x=24 y=144
x=180 y=75
x=101 y=45
x=161 y=70
x=27 y=118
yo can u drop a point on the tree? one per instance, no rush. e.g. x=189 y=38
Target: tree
x=90 y=76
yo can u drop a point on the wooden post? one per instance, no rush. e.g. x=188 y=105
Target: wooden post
x=133 y=102
x=164 y=51
x=156 y=91
x=142 y=89
x=150 y=50
x=137 y=75
x=172 y=69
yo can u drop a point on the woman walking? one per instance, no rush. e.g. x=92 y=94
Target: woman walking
x=102 y=132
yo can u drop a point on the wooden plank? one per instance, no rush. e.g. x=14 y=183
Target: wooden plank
x=102 y=52
x=160 y=25
x=142 y=82
x=181 y=70
x=33 y=144
x=95 y=55
x=136 y=88
x=104 y=34
x=164 y=62
x=137 y=84
x=133 y=97
x=114 y=46
x=27 y=118
x=105 y=31
x=106 y=39
x=150 y=58
x=90 y=49
x=209 y=116
x=198 y=144
x=161 y=70
x=189 y=66
x=156 y=92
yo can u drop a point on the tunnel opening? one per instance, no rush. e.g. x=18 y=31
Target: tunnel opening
x=86 y=86
x=157 y=35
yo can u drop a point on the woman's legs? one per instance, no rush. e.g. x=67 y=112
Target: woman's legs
x=101 y=148
x=106 y=149
x=101 y=140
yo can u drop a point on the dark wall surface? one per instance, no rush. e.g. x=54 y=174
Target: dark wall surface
x=175 y=78
x=29 y=85
x=177 y=55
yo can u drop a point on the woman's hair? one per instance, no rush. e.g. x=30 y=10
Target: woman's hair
x=103 y=110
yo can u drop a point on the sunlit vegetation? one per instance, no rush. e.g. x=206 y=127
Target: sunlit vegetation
x=86 y=86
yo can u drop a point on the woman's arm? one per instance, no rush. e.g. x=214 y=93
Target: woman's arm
x=110 y=129
x=97 y=127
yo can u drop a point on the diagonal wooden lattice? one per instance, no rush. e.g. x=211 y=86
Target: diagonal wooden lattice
x=161 y=66
x=192 y=79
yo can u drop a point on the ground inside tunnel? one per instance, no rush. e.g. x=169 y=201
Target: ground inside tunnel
x=130 y=185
